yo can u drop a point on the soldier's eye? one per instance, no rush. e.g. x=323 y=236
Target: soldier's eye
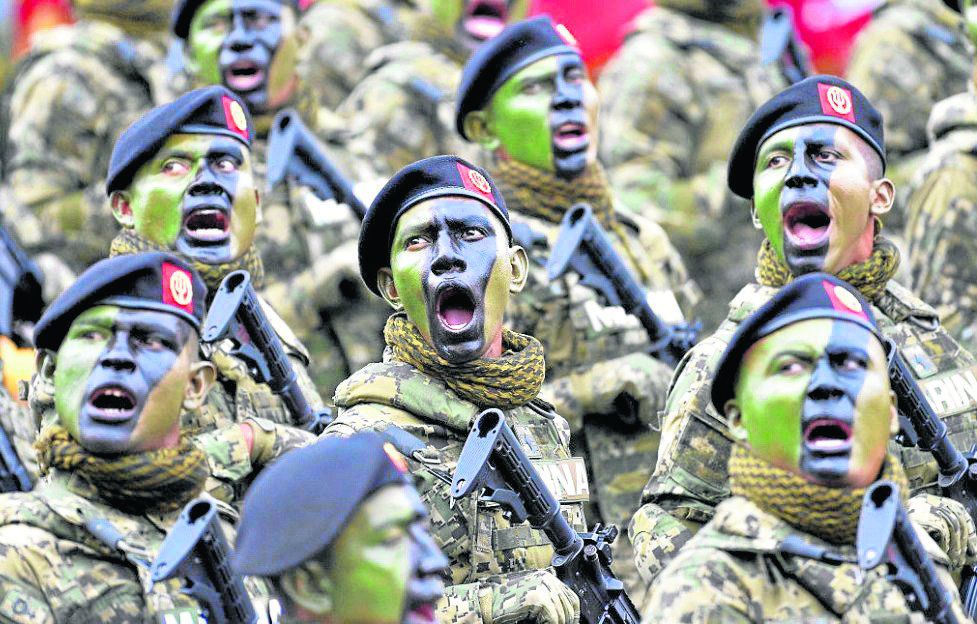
x=226 y=165
x=260 y=21
x=472 y=234
x=852 y=363
x=791 y=366
x=777 y=161
x=826 y=156
x=532 y=88
x=175 y=167
x=575 y=74
x=91 y=334
x=416 y=243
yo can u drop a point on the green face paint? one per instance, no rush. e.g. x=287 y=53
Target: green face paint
x=208 y=30
x=450 y=265
x=214 y=224
x=814 y=399
x=813 y=195
x=545 y=116
x=969 y=10
x=385 y=564
x=121 y=378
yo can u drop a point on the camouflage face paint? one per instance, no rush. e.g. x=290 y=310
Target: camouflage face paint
x=249 y=46
x=386 y=568
x=450 y=266
x=814 y=399
x=475 y=21
x=121 y=378
x=545 y=116
x=812 y=193
x=969 y=10
x=197 y=196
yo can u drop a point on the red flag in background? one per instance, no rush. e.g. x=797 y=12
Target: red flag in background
x=36 y=15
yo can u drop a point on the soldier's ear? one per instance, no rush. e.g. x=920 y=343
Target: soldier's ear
x=753 y=215
x=479 y=129
x=202 y=377
x=387 y=288
x=309 y=586
x=122 y=208
x=882 y=195
x=894 y=415
x=735 y=419
x=519 y=265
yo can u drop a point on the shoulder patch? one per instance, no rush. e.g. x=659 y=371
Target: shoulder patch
x=899 y=304
x=20 y=607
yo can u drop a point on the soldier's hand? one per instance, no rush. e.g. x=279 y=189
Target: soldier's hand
x=949 y=524
x=536 y=596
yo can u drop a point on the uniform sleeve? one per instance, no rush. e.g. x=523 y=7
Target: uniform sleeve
x=22 y=598
x=701 y=588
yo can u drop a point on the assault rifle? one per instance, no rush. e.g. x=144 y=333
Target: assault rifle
x=779 y=44
x=584 y=247
x=958 y=472
x=295 y=153
x=885 y=536
x=236 y=307
x=196 y=551
x=493 y=462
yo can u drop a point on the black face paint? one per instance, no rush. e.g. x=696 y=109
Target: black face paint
x=828 y=411
x=206 y=234
x=569 y=131
x=143 y=347
x=246 y=54
x=428 y=565
x=455 y=276
x=804 y=203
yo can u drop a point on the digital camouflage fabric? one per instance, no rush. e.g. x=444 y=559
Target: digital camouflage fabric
x=428 y=423
x=68 y=100
x=691 y=476
x=674 y=97
x=941 y=219
x=733 y=571
x=913 y=54
x=52 y=569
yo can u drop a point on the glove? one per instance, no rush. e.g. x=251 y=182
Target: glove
x=536 y=596
x=657 y=537
x=949 y=524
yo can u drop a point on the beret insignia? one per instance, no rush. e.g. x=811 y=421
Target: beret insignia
x=836 y=101
x=566 y=35
x=843 y=300
x=177 y=287
x=237 y=121
x=395 y=457
x=475 y=181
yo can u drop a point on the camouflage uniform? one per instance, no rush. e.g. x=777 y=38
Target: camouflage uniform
x=691 y=476
x=674 y=97
x=732 y=571
x=941 y=225
x=912 y=54
x=480 y=543
x=52 y=569
x=80 y=86
x=17 y=423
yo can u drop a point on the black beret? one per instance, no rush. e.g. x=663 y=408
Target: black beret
x=145 y=281
x=497 y=60
x=438 y=176
x=298 y=505
x=211 y=110
x=953 y=4
x=811 y=296
x=818 y=99
x=184 y=10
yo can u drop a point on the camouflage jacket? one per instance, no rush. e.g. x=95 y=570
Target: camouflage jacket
x=53 y=570
x=674 y=98
x=691 y=478
x=69 y=99
x=429 y=424
x=941 y=226
x=733 y=571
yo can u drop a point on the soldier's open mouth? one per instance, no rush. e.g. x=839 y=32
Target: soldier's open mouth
x=807 y=225
x=207 y=226
x=455 y=308
x=485 y=19
x=828 y=436
x=111 y=404
x=244 y=76
x=423 y=614
x=571 y=136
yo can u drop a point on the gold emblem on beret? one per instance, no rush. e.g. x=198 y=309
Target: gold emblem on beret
x=479 y=181
x=238 y=117
x=844 y=296
x=839 y=100
x=180 y=287
x=398 y=460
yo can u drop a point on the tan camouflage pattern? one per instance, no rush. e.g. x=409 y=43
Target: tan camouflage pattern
x=949 y=524
x=480 y=542
x=17 y=421
x=53 y=570
x=70 y=98
x=674 y=98
x=533 y=596
x=690 y=478
x=941 y=223
x=732 y=571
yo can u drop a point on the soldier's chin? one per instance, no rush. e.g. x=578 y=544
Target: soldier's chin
x=206 y=252
x=830 y=471
x=570 y=165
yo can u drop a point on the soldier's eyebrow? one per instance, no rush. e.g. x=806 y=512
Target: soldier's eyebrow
x=175 y=153
x=225 y=149
x=470 y=220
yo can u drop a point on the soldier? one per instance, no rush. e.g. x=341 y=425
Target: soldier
x=525 y=97
x=437 y=246
x=126 y=366
x=180 y=180
x=359 y=548
x=67 y=101
x=812 y=160
x=402 y=109
x=804 y=387
x=675 y=92
x=942 y=212
x=308 y=245
x=912 y=54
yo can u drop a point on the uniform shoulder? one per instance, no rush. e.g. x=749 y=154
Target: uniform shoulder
x=748 y=300
x=899 y=304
